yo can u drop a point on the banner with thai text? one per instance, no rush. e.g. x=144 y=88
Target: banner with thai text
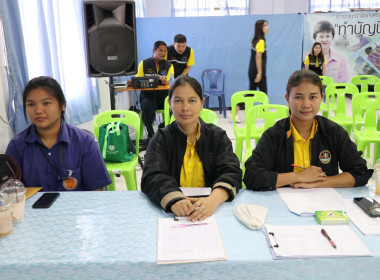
x=350 y=42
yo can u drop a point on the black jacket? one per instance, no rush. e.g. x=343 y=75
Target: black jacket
x=149 y=67
x=331 y=149
x=164 y=158
x=179 y=61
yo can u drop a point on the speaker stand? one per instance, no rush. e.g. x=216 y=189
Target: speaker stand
x=112 y=94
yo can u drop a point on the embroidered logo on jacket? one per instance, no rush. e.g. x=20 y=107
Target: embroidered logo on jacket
x=325 y=156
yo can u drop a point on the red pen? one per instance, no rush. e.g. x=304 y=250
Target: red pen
x=295 y=165
x=328 y=238
x=303 y=168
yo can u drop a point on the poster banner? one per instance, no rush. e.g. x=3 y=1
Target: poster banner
x=350 y=42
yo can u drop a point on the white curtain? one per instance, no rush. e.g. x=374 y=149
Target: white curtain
x=195 y=8
x=55 y=46
x=341 y=5
x=140 y=8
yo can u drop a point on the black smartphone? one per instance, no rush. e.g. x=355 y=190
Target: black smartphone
x=45 y=200
x=369 y=205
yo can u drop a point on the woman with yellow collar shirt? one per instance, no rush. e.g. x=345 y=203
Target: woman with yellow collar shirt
x=305 y=150
x=190 y=153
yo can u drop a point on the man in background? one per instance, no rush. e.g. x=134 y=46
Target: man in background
x=150 y=101
x=180 y=55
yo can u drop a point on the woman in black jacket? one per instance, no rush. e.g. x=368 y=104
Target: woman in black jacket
x=305 y=150
x=190 y=153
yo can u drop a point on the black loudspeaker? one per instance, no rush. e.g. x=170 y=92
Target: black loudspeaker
x=110 y=30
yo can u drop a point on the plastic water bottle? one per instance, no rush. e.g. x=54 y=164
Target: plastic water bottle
x=171 y=79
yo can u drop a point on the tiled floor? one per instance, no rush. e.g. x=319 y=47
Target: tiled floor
x=226 y=124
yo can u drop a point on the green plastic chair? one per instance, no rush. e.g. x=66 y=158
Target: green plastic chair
x=326 y=80
x=249 y=98
x=366 y=128
x=338 y=114
x=161 y=111
x=166 y=111
x=364 y=81
x=207 y=115
x=377 y=87
x=269 y=114
x=127 y=169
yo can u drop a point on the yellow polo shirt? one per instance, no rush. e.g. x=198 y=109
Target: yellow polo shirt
x=302 y=147
x=307 y=61
x=260 y=46
x=192 y=174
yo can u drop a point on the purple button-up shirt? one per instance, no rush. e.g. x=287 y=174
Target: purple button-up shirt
x=81 y=159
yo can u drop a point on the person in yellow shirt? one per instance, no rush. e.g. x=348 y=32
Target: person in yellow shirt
x=180 y=55
x=257 y=64
x=315 y=60
x=305 y=150
x=151 y=101
x=190 y=153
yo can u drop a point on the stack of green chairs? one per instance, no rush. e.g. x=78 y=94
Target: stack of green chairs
x=127 y=169
x=326 y=80
x=366 y=127
x=364 y=81
x=377 y=87
x=249 y=98
x=338 y=114
x=166 y=111
x=270 y=113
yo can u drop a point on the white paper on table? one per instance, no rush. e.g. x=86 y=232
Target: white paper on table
x=295 y=242
x=194 y=192
x=366 y=224
x=189 y=243
x=305 y=202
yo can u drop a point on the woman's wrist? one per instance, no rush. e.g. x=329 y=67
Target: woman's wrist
x=219 y=194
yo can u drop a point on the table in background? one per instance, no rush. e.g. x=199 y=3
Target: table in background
x=113 y=235
x=130 y=88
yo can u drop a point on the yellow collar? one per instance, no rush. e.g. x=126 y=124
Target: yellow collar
x=297 y=137
x=198 y=128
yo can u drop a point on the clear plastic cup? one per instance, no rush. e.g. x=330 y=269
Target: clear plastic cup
x=16 y=191
x=5 y=215
x=377 y=176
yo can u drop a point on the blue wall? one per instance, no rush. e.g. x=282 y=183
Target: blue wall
x=224 y=43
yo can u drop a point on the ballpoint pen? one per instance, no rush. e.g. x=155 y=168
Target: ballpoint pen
x=188 y=225
x=328 y=238
x=295 y=165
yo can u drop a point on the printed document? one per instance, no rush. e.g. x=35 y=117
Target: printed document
x=298 y=242
x=194 y=192
x=366 y=224
x=184 y=241
x=305 y=202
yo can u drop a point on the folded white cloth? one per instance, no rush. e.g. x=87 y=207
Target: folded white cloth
x=252 y=216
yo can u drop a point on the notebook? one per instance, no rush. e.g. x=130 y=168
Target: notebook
x=181 y=241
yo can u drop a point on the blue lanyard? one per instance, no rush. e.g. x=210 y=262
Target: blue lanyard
x=59 y=160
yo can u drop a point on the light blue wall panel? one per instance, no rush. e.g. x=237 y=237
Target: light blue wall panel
x=224 y=43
